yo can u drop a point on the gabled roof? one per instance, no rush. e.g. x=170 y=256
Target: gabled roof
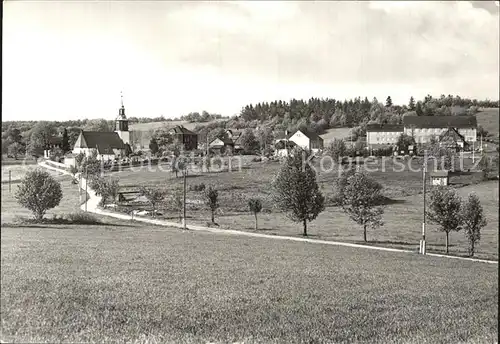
x=452 y=133
x=440 y=173
x=384 y=127
x=181 y=130
x=104 y=142
x=312 y=136
x=459 y=122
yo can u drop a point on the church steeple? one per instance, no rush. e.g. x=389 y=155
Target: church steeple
x=121 y=112
x=122 y=123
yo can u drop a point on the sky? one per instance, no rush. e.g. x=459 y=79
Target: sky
x=71 y=60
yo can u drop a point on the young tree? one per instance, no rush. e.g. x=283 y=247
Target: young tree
x=473 y=220
x=339 y=186
x=411 y=104
x=248 y=141
x=295 y=190
x=177 y=202
x=388 y=102
x=106 y=188
x=337 y=149
x=39 y=192
x=153 y=146
x=15 y=149
x=211 y=200
x=404 y=141
x=73 y=170
x=362 y=197
x=419 y=110
x=128 y=150
x=65 y=142
x=444 y=210
x=255 y=206
x=154 y=196
x=484 y=165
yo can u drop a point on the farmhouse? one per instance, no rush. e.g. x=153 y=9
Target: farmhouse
x=184 y=136
x=452 y=139
x=307 y=140
x=221 y=145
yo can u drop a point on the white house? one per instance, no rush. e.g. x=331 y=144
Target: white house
x=440 y=178
x=307 y=140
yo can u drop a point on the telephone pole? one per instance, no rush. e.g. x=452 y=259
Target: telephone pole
x=422 y=242
x=184 y=200
x=86 y=184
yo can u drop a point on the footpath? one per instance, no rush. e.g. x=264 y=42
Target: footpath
x=92 y=205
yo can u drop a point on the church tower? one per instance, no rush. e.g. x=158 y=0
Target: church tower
x=122 y=124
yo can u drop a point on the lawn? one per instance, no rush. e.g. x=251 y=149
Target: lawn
x=403 y=216
x=126 y=283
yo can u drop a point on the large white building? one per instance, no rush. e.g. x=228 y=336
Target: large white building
x=421 y=128
x=307 y=140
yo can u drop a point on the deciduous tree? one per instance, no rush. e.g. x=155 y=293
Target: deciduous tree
x=445 y=210
x=295 y=190
x=473 y=220
x=154 y=195
x=212 y=200
x=39 y=192
x=255 y=206
x=362 y=198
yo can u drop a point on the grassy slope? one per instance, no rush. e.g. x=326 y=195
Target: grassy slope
x=488 y=118
x=83 y=284
x=402 y=219
x=335 y=133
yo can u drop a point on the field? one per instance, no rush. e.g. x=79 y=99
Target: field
x=489 y=120
x=125 y=283
x=403 y=216
x=335 y=133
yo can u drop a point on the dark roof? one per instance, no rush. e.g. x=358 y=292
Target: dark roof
x=440 y=121
x=181 y=130
x=384 y=127
x=308 y=133
x=441 y=173
x=56 y=140
x=105 y=142
x=453 y=133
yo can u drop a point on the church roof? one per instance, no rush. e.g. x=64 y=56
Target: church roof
x=104 y=142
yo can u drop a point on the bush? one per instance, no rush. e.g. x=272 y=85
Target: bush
x=82 y=218
x=197 y=187
x=39 y=192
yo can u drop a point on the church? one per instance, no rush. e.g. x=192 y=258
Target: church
x=108 y=145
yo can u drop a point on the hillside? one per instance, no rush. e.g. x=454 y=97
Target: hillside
x=488 y=119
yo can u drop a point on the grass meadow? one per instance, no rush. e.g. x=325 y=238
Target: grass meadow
x=403 y=216
x=131 y=283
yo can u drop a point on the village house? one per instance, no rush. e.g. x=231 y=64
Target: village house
x=221 y=145
x=440 y=178
x=382 y=135
x=184 y=136
x=307 y=140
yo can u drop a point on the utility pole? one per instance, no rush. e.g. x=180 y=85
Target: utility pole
x=422 y=242
x=86 y=184
x=184 y=201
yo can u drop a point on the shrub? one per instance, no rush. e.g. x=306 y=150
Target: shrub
x=197 y=187
x=39 y=192
x=82 y=218
x=211 y=200
x=255 y=206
